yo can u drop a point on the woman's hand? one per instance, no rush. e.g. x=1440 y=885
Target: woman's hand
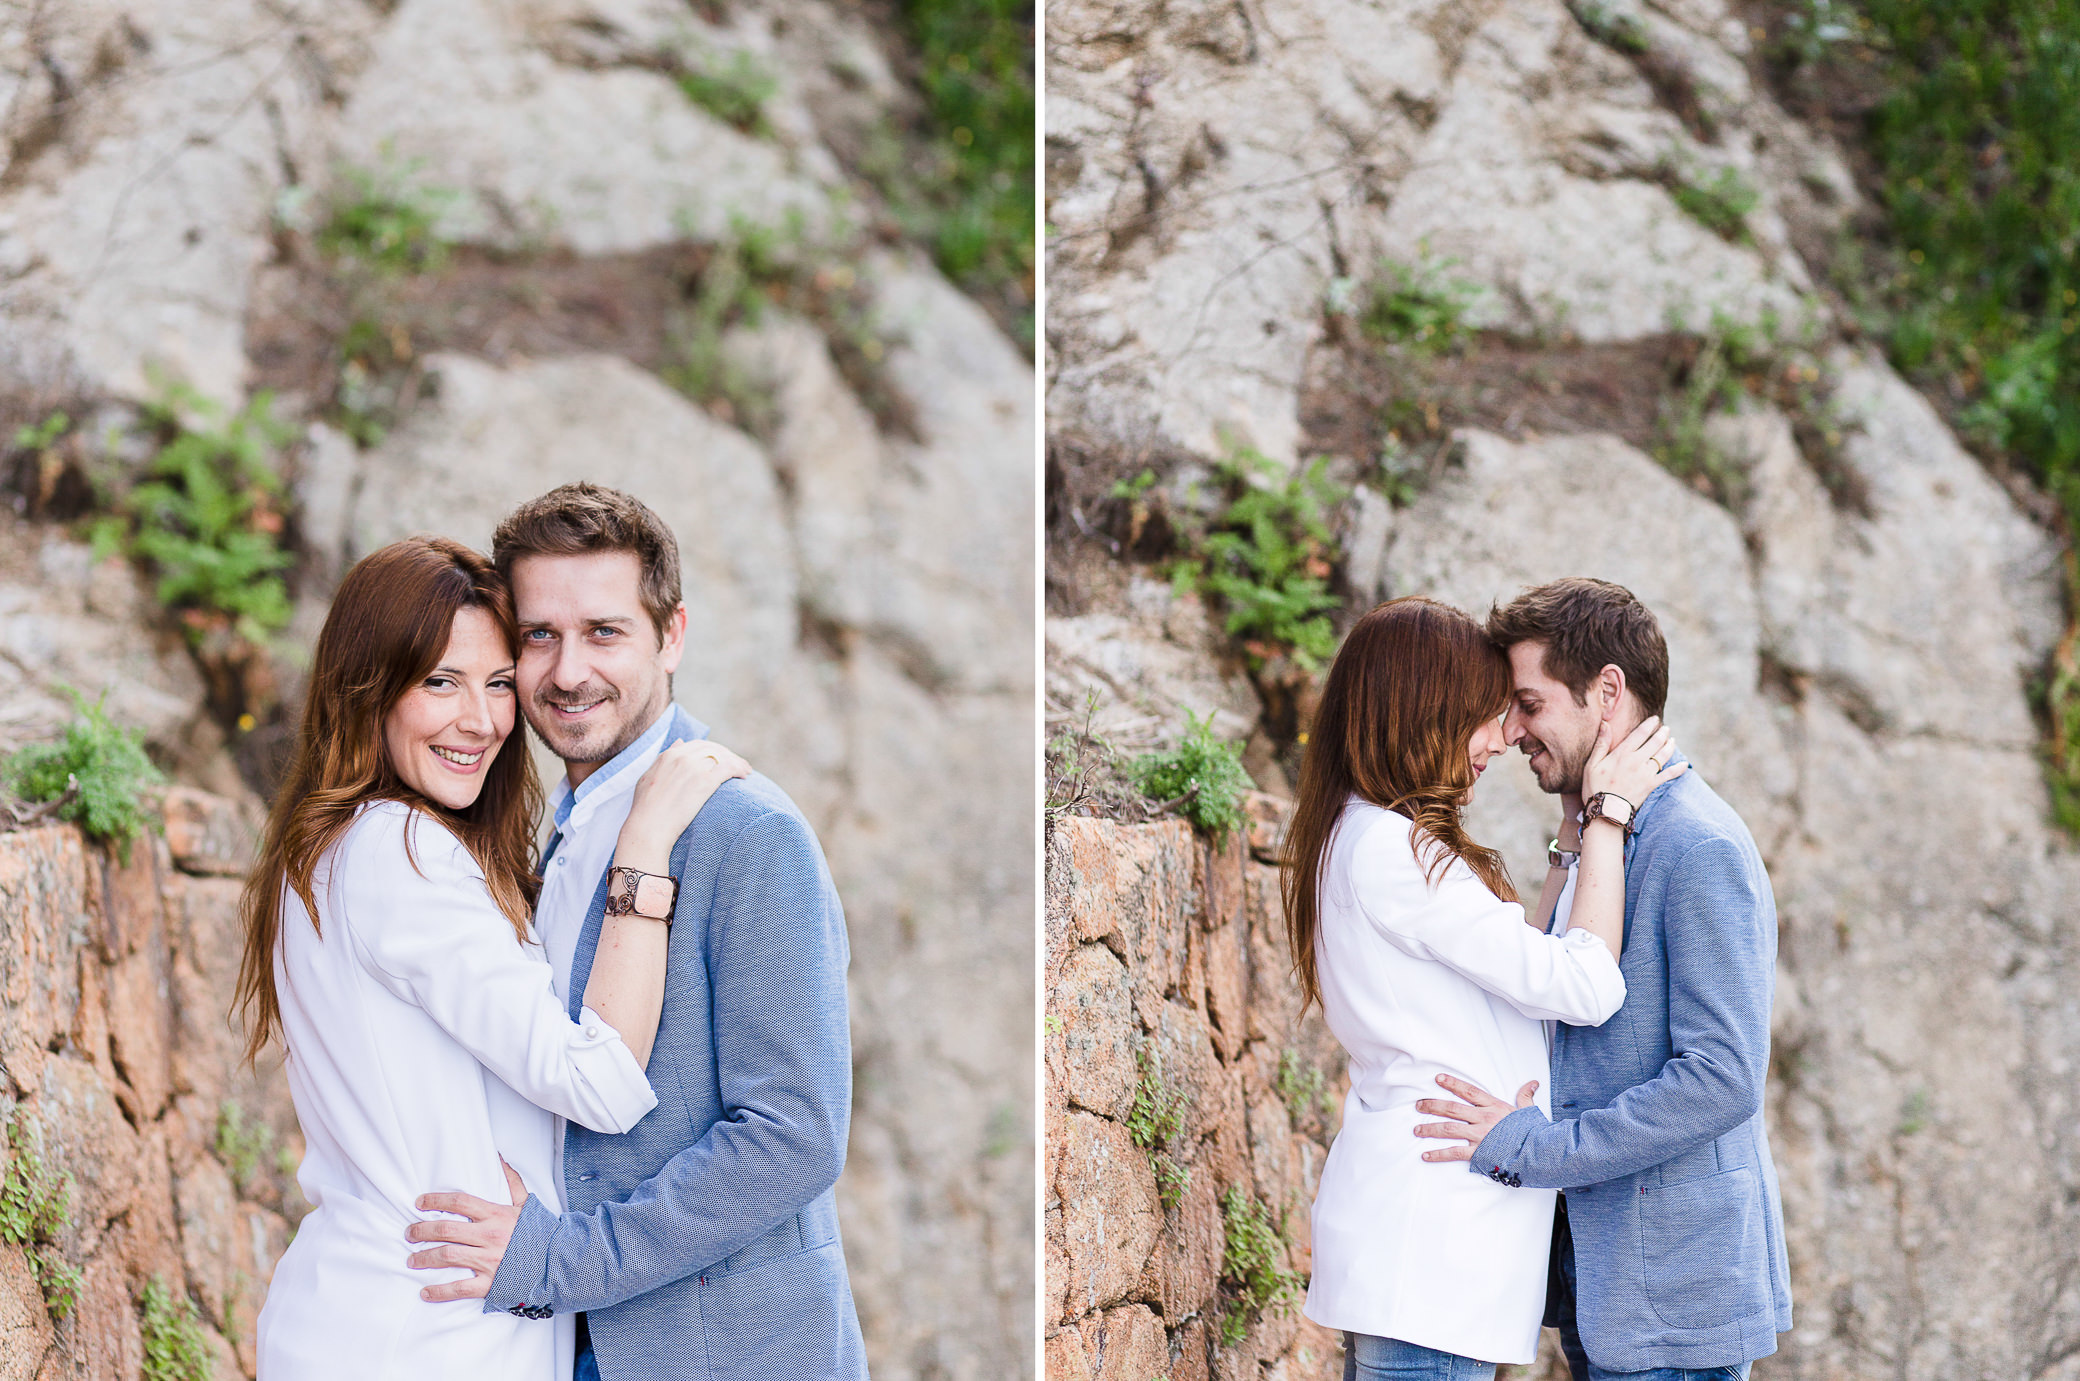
x=672 y=792
x=1635 y=767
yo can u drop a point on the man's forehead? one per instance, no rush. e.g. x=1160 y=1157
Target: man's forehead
x=607 y=584
x=1527 y=663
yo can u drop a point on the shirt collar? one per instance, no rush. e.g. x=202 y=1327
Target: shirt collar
x=563 y=800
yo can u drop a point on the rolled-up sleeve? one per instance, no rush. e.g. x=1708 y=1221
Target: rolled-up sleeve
x=1461 y=924
x=425 y=927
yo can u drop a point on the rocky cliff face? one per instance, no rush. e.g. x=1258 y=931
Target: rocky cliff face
x=1855 y=608
x=846 y=459
x=1185 y=1094
x=124 y=1073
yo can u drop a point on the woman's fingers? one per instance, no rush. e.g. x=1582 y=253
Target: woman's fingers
x=1524 y=1094
x=1643 y=731
x=513 y=1183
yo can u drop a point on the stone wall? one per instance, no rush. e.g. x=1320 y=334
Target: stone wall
x=1168 y=981
x=123 y=1072
x=1853 y=631
x=856 y=557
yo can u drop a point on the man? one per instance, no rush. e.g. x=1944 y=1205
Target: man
x=704 y=1242
x=1668 y=1244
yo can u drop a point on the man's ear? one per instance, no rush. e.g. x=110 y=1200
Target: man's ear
x=673 y=646
x=1610 y=690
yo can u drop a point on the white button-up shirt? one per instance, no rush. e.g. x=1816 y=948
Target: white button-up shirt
x=588 y=826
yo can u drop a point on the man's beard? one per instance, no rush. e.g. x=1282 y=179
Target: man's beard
x=583 y=743
x=1560 y=774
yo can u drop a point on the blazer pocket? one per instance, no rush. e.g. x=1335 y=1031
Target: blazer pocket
x=1703 y=1249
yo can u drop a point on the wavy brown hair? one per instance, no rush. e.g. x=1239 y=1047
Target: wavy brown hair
x=387 y=630
x=1409 y=687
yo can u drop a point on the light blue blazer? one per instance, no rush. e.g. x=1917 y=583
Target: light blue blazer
x=1656 y=1133
x=703 y=1244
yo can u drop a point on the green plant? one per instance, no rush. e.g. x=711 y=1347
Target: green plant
x=1254 y=1259
x=42 y=435
x=35 y=1207
x=386 y=218
x=967 y=191
x=1202 y=778
x=175 y=1348
x=1268 y=556
x=208 y=516
x=1616 y=29
x=1302 y=1088
x=1154 y=1124
x=1813 y=29
x=1720 y=202
x=1415 y=305
x=734 y=92
x=245 y=1147
x=97 y=776
x=1913 y=1112
x=1683 y=448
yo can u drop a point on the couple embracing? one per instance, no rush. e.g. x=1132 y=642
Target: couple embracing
x=1628 y=1011
x=581 y=1116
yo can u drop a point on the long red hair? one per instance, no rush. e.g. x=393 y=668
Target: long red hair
x=387 y=629
x=1407 y=690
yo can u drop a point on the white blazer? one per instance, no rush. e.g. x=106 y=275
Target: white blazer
x=425 y=1042
x=1419 y=981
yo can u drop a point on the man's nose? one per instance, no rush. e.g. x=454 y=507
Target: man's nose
x=1512 y=727
x=571 y=670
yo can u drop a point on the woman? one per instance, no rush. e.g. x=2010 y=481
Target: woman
x=389 y=946
x=1410 y=936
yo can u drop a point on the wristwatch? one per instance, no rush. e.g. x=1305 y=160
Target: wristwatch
x=1608 y=805
x=633 y=892
x=1557 y=857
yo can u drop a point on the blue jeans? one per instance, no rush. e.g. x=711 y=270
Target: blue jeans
x=588 y=1365
x=1562 y=1292
x=1366 y=1358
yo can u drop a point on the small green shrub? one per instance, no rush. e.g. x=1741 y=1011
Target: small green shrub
x=1155 y=1124
x=385 y=218
x=1719 y=202
x=1415 y=305
x=244 y=1147
x=733 y=91
x=35 y=1207
x=968 y=192
x=175 y=1348
x=1302 y=1088
x=1614 y=28
x=97 y=771
x=42 y=435
x=1268 y=556
x=208 y=516
x=1255 y=1256
x=1202 y=778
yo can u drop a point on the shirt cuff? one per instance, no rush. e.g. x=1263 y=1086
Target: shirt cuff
x=1606 y=979
x=613 y=1091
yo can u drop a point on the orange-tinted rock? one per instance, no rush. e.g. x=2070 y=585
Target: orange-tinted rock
x=25 y=1326
x=140 y=1026
x=205 y=833
x=147 y=1240
x=1110 y=1214
x=106 y=1342
x=45 y=913
x=1125 y=1344
x=1064 y=1359
x=1185 y=1268
x=1227 y=988
x=83 y=1134
x=131 y=907
x=1093 y=1015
